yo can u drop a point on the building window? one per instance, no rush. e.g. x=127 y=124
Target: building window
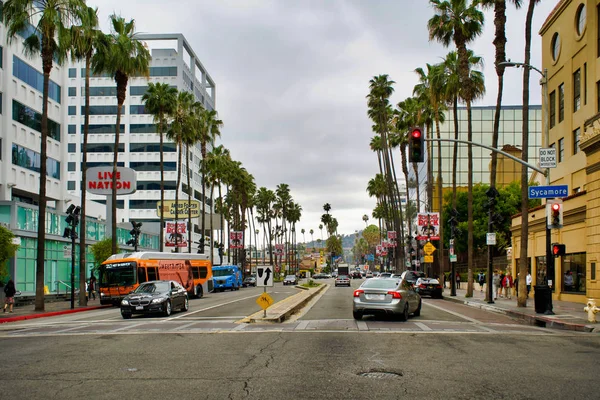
x=72 y=129
x=584 y=83
x=152 y=185
x=34 y=78
x=598 y=96
x=1 y=57
x=31 y=160
x=103 y=110
x=573 y=273
x=580 y=19
x=72 y=91
x=593 y=271
x=104 y=147
x=137 y=109
x=168 y=147
x=104 y=128
x=577 y=90
x=163 y=71
x=72 y=148
x=32 y=119
x=561 y=102
x=0 y=102
x=72 y=72
x=561 y=149
x=598 y=33
x=142 y=128
x=153 y=166
x=70 y=185
x=576 y=135
x=71 y=167
x=138 y=90
x=555 y=46
x=100 y=75
x=541 y=269
x=72 y=110
x=553 y=109
x=101 y=91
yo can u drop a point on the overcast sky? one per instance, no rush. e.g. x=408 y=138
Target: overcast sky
x=292 y=76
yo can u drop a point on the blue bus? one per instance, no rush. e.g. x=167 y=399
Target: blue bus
x=227 y=277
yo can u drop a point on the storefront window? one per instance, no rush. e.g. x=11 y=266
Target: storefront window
x=574 y=273
x=541 y=271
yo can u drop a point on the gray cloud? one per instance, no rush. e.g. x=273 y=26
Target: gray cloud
x=292 y=77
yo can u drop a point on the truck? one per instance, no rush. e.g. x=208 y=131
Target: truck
x=227 y=277
x=344 y=270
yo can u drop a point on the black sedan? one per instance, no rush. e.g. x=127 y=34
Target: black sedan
x=429 y=287
x=290 y=280
x=155 y=297
x=356 y=275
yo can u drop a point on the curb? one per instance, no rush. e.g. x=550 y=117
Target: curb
x=50 y=314
x=288 y=312
x=543 y=322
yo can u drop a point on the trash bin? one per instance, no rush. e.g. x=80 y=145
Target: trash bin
x=541 y=298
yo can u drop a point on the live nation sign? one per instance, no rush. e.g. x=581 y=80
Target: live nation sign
x=99 y=180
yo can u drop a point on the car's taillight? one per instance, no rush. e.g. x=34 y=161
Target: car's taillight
x=395 y=295
x=422 y=286
x=357 y=292
x=438 y=287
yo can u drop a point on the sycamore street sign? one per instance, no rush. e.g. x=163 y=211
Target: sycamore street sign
x=548 y=192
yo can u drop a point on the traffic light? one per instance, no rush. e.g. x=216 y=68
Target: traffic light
x=558 y=249
x=416 y=145
x=135 y=235
x=72 y=221
x=554 y=211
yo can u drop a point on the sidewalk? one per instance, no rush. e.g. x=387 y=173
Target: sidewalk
x=568 y=315
x=51 y=309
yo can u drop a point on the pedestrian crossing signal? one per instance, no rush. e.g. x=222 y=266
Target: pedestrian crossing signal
x=416 y=146
x=558 y=249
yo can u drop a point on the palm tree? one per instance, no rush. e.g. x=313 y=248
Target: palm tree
x=209 y=128
x=321 y=229
x=181 y=129
x=523 y=265
x=366 y=219
x=217 y=160
x=460 y=21
x=312 y=239
x=302 y=232
x=284 y=200
x=159 y=100
x=83 y=41
x=500 y=46
x=49 y=38
x=264 y=202
x=190 y=138
x=122 y=55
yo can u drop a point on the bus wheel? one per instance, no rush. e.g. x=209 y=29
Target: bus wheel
x=167 y=310
x=199 y=293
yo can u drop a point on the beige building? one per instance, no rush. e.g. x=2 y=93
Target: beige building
x=571 y=55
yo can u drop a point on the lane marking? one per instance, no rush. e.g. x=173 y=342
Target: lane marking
x=240 y=327
x=73 y=328
x=184 y=326
x=454 y=313
x=302 y=325
x=210 y=308
x=423 y=326
x=362 y=326
x=127 y=327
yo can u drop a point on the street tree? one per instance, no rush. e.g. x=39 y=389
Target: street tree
x=7 y=251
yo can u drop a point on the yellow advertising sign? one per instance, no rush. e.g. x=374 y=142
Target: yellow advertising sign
x=428 y=259
x=429 y=249
x=264 y=301
x=182 y=208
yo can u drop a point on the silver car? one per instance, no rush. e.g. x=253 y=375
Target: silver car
x=386 y=296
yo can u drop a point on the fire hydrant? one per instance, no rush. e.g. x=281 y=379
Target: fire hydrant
x=591 y=309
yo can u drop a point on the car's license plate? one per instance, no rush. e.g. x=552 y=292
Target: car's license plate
x=139 y=307
x=430 y=286
x=375 y=296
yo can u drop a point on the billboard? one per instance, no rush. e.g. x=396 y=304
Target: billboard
x=180 y=235
x=236 y=240
x=182 y=208
x=99 y=180
x=428 y=226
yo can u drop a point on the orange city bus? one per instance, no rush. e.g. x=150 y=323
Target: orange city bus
x=122 y=273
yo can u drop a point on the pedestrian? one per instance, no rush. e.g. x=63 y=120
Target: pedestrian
x=528 y=281
x=500 y=283
x=517 y=286
x=457 y=280
x=92 y=287
x=9 y=291
x=507 y=283
x=568 y=281
x=481 y=279
x=495 y=283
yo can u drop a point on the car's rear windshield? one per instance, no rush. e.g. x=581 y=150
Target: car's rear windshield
x=342 y=277
x=380 y=283
x=290 y=277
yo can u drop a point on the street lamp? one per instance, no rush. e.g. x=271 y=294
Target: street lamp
x=545 y=102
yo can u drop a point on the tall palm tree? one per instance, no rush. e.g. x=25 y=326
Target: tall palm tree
x=181 y=129
x=366 y=219
x=460 y=21
x=500 y=46
x=321 y=229
x=407 y=114
x=209 y=128
x=122 y=55
x=264 y=202
x=190 y=138
x=159 y=100
x=312 y=239
x=84 y=37
x=49 y=39
x=302 y=232
x=523 y=265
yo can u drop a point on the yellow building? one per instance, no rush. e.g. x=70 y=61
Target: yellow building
x=571 y=55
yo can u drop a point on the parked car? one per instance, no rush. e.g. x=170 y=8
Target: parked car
x=342 y=280
x=369 y=274
x=355 y=275
x=385 y=275
x=429 y=287
x=249 y=281
x=290 y=280
x=155 y=297
x=412 y=276
x=321 y=276
x=386 y=296
x=396 y=276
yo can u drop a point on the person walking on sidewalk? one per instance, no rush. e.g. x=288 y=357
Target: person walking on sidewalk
x=528 y=281
x=500 y=284
x=495 y=284
x=9 y=291
x=457 y=280
x=481 y=279
x=507 y=283
x=92 y=287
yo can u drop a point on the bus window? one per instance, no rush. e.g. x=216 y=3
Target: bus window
x=195 y=273
x=142 y=275
x=203 y=272
x=152 y=274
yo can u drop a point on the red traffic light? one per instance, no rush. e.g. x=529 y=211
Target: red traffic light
x=416 y=133
x=555 y=207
